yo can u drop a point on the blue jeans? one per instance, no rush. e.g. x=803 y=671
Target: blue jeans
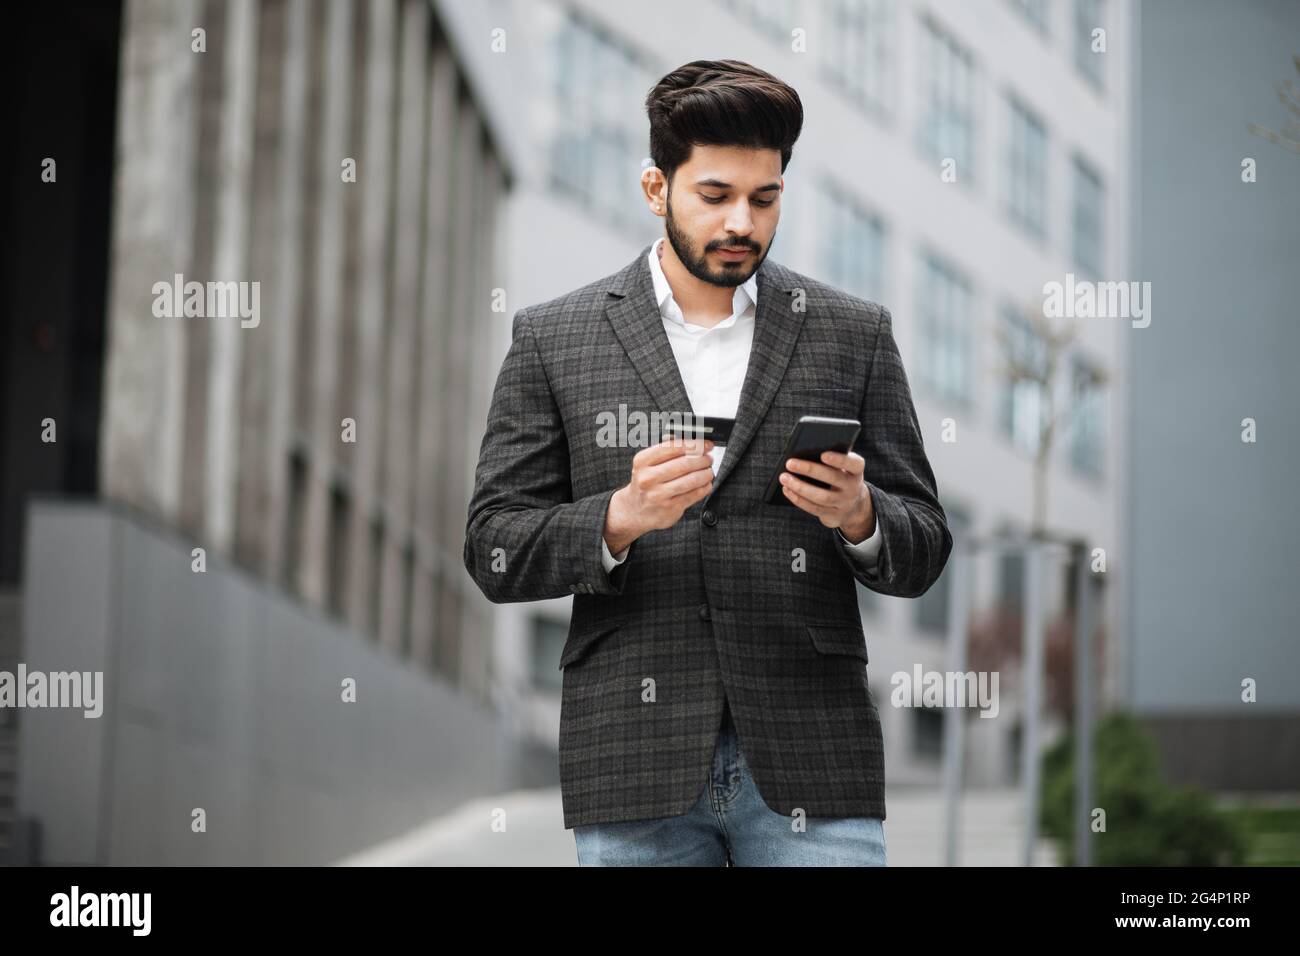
x=730 y=825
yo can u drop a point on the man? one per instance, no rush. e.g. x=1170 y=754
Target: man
x=705 y=618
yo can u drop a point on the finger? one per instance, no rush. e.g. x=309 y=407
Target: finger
x=803 y=503
x=692 y=445
x=675 y=468
x=686 y=484
x=823 y=497
x=689 y=498
x=815 y=469
x=853 y=463
x=668 y=449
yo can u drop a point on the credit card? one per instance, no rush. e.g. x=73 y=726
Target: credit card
x=716 y=430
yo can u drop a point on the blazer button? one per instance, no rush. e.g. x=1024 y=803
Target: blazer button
x=704 y=612
x=709 y=518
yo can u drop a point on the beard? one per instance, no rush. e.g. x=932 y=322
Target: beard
x=729 y=275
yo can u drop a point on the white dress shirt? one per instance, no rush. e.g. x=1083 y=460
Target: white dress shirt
x=713 y=362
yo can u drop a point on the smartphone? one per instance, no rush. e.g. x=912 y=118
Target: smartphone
x=811 y=436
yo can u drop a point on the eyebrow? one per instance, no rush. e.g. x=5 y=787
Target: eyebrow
x=719 y=184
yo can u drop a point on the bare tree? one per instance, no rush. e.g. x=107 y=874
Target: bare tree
x=1035 y=356
x=1289 y=94
x=1038 y=365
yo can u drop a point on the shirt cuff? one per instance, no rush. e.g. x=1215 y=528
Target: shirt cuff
x=865 y=552
x=608 y=560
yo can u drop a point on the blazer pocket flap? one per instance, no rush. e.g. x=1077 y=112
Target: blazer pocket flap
x=577 y=645
x=839 y=639
x=811 y=400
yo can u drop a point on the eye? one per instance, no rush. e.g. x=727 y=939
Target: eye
x=714 y=200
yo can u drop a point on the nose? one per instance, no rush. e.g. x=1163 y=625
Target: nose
x=739 y=222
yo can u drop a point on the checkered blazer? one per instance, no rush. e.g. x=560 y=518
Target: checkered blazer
x=739 y=598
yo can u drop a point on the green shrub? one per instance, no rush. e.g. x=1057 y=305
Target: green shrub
x=1147 y=822
x=1272 y=832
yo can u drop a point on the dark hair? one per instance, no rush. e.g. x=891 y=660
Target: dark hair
x=720 y=103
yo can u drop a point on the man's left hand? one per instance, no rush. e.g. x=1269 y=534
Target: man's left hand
x=846 y=504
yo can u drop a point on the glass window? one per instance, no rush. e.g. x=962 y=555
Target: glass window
x=932 y=606
x=1089 y=15
x=1024 y=398
x=946 y=341
x=1087 y=418
x=947 y=127
x=927 y=736
x=853 y=244
x=598 y=137
x=776 y=18
x=548 y=636
x=1011 y=580
x=1087 y=219
x=1035 y=11
x=1026 y=168
x=857 y=54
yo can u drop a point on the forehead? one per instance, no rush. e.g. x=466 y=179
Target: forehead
x=741 y=166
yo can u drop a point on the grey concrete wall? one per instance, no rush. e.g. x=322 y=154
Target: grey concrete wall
x=221 y=693
x=1256 y=751
x=1214 y=525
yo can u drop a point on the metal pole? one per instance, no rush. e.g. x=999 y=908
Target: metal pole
x=1084 y=617
x=1032 y=674
x=954 y=723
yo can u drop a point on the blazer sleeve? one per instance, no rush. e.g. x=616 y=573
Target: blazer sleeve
x=526 y=539
x=915 y=539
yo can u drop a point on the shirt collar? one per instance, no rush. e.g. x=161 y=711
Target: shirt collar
x=746 y=293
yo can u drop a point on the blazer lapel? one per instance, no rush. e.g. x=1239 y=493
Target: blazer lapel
x=776 y=329
x=639 y=327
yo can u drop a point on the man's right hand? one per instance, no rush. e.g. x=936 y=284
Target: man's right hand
x=667 y=478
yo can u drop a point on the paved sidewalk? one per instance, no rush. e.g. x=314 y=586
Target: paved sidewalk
x=534 y=833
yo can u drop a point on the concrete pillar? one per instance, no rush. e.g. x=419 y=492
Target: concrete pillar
x=454 y=489
x=251 y=496
x=491 y=337
x=374 y=179
x=230 y=264
x=476 y=649
x=405 y=304
x=287 y=268
x=210 y=94
x=313 y=562
x=435 y=314
x=153 y=217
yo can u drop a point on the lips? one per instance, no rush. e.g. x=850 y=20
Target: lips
x=732 y=253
